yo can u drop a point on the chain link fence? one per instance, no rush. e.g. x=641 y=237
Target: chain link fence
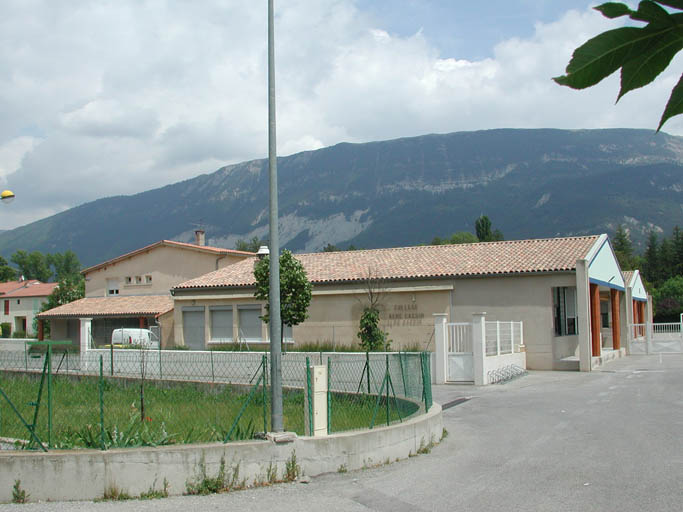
x=110 y=397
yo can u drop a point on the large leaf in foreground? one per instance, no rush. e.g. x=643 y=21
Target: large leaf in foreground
x=674 y=105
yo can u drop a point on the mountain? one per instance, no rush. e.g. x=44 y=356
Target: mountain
x=531 y=183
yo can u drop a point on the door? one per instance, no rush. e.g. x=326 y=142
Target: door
x=460 y=361
x=193 y=328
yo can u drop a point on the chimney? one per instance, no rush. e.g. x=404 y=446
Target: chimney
x=199 y=237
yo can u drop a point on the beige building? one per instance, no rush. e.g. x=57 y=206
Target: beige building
x=133 y=290
x=554 y=286
x=21 y=301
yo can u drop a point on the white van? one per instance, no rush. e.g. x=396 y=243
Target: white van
x=138 y=337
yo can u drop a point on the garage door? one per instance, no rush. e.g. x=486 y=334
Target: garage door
x=193 y=327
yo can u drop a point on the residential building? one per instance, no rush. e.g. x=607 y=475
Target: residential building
x=21 y=301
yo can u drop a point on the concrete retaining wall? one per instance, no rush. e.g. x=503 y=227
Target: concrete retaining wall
x=87 y=474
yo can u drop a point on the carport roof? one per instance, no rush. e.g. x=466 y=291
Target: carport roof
x=142 y=305
x=462 y=260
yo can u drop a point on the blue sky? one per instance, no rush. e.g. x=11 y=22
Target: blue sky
x=468 y=30
x=115 y=97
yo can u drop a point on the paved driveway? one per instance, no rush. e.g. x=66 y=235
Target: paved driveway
x=611 y=440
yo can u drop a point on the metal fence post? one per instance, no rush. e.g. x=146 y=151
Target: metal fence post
x=111 y=358
x=264 y=363
x=49 y=396
x=367 y=367
x=213 y=376
x=386 y=375
x=101 y=390
x=161 y=374
x=329 y=394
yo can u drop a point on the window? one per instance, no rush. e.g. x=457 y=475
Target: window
x=221 y=323
x=604 y=313
x=249 y=323
x=287 y=333
x=18 y=301
x=112 y=286
x=564 y=308
x=129 y=280
x=138 y=279
x=148 y=279
x=6 y=307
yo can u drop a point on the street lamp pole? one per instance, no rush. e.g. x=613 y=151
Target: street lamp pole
x=274 y=284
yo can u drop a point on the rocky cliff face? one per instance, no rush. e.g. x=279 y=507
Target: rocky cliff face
x=531 y=183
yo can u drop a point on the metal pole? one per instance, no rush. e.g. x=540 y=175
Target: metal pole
x=49 y=396
x=274 y=295
x=101 y=390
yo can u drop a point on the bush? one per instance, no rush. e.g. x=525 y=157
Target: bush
x=372 y=338
x=19 y=334
x=6 y=329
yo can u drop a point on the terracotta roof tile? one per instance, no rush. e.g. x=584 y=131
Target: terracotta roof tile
x=168 y=243
x=32 y=289
x=13 y=285
x=463 y=260
x=628 y=275
x=138 y=305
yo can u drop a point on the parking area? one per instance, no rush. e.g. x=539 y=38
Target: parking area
x=606 y=440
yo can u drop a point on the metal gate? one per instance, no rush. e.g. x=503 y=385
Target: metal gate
x=656 y=338
x=460 y=362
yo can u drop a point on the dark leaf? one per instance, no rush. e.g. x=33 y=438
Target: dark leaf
x=676 y=4
x=613 y=9
x=652 y=13
x=674 y=106
x=654 y=55
x=601 y=56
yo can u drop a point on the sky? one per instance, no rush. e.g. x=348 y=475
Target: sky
x=103 y=98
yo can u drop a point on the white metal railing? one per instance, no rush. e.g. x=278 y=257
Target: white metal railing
x=460 y=337
x=501 y=337
x=666 y=328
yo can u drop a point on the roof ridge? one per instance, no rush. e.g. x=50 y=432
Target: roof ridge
x=415 y=247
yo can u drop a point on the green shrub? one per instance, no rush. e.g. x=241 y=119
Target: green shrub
x=6 y=329
x=19 y=334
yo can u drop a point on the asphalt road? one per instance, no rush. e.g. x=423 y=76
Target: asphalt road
x=611 y=440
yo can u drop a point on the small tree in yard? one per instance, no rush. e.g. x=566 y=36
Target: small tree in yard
x=295 y=289
x=371 y=336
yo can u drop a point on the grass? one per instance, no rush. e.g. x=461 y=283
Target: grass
x=174 y=412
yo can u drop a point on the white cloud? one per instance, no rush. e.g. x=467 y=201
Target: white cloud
x=105 y=98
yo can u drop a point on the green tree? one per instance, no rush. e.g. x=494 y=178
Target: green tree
x=651 y=259
x=249 y=245
x=69 y=289
x=461 y=237
x=7 y=273
x=331 y=248
x=295 y=289
x=65 y=264
x=32 y=266
x=623 y=248
x=668 y=299
x=371 y=336
x=482 y=227
x=641 y=53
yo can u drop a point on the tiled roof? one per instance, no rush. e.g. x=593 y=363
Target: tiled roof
x=463 y=260
x=138 y=305
x=628 y=275
x=168 y=243
x=13 y=285
x=32 y=289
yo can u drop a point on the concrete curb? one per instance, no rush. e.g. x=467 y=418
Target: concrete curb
x=87 y=474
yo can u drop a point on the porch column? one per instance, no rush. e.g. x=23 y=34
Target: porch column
x=650 y=310
x=595 y=319
x=614 y=296
x=479 y=348
x=583 y=315
x=86 y=328
x=626 y=319
x=41 y=330
x=141 y=321
x=440 y=348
